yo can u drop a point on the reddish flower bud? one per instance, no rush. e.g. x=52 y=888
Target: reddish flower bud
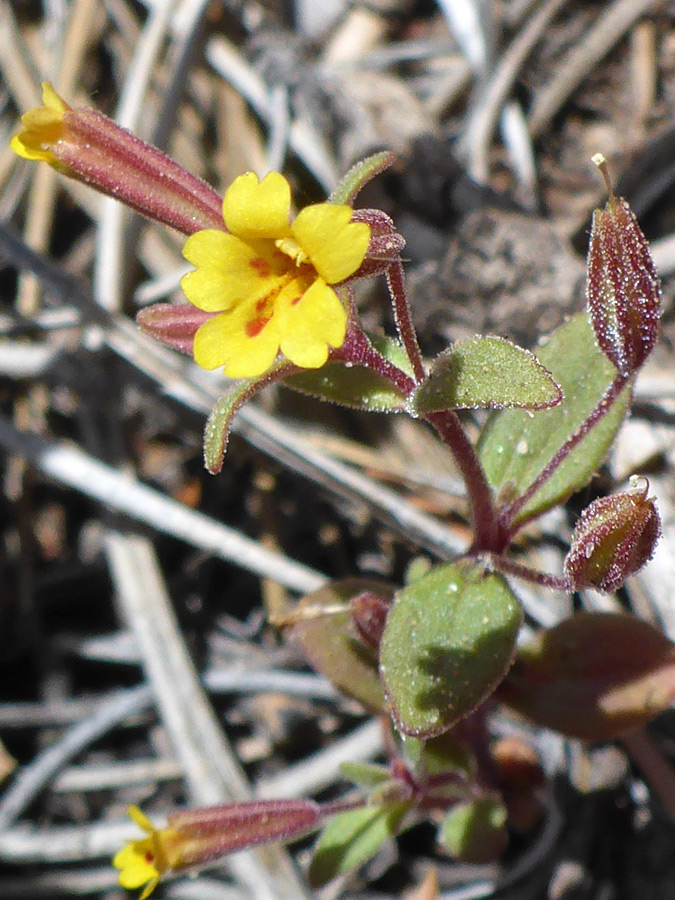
x=623 y=289
x=369 y=612
x=385 y=244
x=519 y=776
x=614 y=537
x=173 y=324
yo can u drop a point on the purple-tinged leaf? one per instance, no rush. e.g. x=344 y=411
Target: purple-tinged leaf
x=595 y=676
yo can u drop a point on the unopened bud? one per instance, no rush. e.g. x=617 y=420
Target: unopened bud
x=623 y=289
x=369 y=613
x=174 y=325
x=614 y=537
x=385 y=244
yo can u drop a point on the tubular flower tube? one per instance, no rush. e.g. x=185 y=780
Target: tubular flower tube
x=88 y=146
x=196 y=837
x=269 y=281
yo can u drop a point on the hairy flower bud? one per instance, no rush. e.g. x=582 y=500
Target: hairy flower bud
x=622 y=289
x=173 y=324
x=614 y=537
x=369 y=612
x=385 y=244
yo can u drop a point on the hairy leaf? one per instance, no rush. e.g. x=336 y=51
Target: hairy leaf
x=475 y=831
x=515 y=445
x=487 y=372
x=352 y=838
x=595 y=676
x=448 y=641
x=324 y=628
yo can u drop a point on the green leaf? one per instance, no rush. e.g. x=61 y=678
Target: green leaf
x=359 y=175
x=324 y=628
x=352 y=838
x=515 y=446
x=475 y=831
x=486 y=372
x=355 y=386
x=217 y=430
x=366 y=775
x=440 y=755
x=448 y=641
x=352 y=386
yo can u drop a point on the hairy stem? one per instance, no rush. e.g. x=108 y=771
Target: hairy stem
x=508 y=567
x=487 y=532
x=358 y=350
x=404 y=324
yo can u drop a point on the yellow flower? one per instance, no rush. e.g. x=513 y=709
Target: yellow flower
x=143 y=862
x=269 y=279
x=42 y=128
x=197 y=837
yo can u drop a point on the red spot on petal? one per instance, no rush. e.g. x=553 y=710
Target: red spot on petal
x=149 y=857
x=255 y=326
x=260 y=266
x=297 y=299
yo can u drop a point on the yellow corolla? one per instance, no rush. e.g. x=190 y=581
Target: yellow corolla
x=270 y=280
x=143 y=862
x=41 y=128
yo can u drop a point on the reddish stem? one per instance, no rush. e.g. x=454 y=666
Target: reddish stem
x=488 y=535
x=358 y=350
x=509 y=567
x=508 y=514
x=657 y=770
x=396 y=283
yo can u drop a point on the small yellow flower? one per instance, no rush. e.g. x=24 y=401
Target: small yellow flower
x=42 y=128
x=194 y=838
x=269 y=279
x=143 y=862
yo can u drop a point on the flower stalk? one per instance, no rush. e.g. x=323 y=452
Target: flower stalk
x=404 y=324
x=487 y=530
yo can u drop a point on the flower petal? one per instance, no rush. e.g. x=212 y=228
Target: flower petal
x=139 y=817
x=224 y=341
x=228 y=270
x=307 y=328
x=335 y=245
x=51 y=99
x=258 y=210
x=134 y=864
x=42 y=128
x=133 y=877
x=149 y=888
